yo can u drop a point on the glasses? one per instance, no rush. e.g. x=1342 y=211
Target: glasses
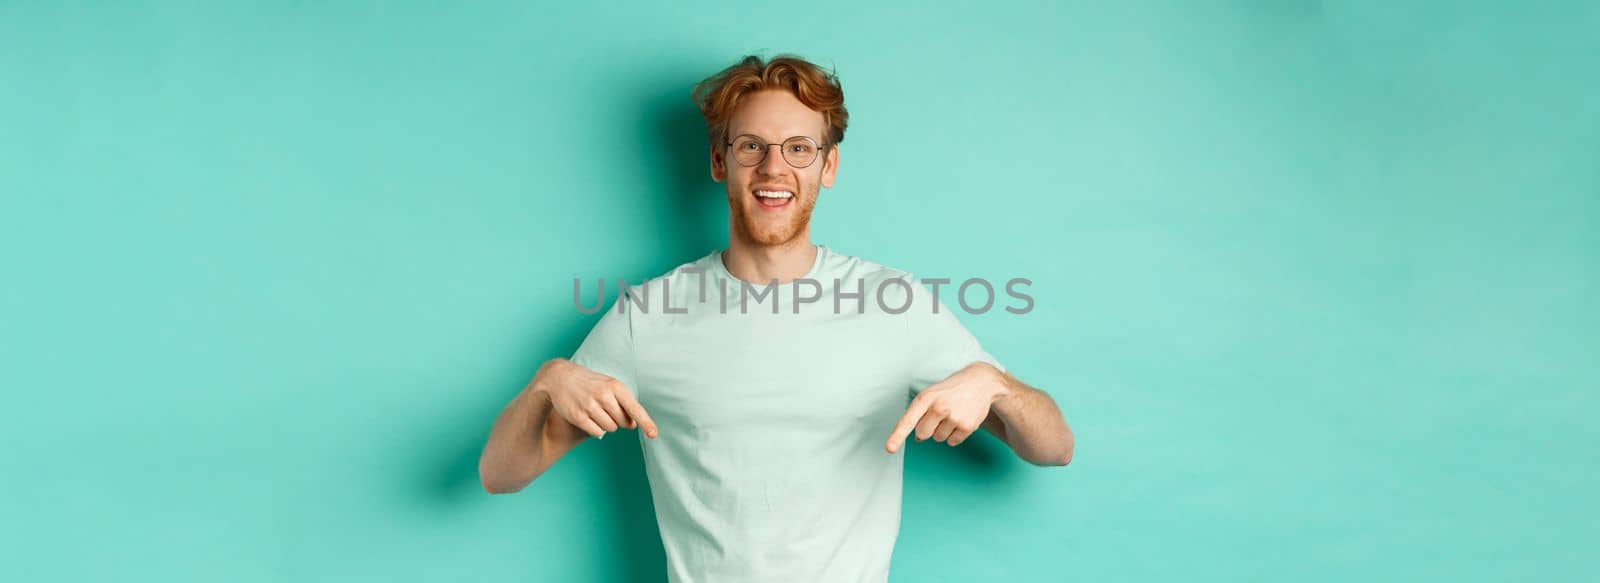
x=798 y=151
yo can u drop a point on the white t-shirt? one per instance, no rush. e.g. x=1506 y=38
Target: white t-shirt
x=770 y=462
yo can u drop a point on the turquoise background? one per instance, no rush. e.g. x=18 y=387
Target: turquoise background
x=1316 y=281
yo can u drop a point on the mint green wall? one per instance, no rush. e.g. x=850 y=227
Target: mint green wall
x=1315 y=281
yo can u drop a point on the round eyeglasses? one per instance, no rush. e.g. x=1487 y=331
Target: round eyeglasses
x=798 y=151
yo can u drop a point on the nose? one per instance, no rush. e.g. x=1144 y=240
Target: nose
x=774 y=164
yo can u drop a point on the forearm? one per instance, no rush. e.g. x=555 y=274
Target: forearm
x=1034 y=425
x=512 y=457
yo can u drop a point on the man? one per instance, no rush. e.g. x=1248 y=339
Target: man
x=772 y=437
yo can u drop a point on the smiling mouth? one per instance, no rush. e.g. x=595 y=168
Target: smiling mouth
x=773 y=199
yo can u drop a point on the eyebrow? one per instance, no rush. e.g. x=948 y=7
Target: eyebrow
x=732 y=135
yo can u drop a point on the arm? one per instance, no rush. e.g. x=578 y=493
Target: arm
x=532 y=432
x=1023 y=417
x=1029 y=422
x=528 y=437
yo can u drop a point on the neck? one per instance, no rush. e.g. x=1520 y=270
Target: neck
x=759 y=264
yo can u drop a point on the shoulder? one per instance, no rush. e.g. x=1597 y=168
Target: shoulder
x=850 y=268
x=892 y=289
x=674 y=288
x=693 y=271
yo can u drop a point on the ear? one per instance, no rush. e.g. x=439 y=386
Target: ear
x=830 y=166
x=719 y=171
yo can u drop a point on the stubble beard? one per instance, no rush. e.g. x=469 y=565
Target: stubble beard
x=756 y=231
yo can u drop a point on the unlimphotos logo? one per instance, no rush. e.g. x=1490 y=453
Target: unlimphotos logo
x=975 y=295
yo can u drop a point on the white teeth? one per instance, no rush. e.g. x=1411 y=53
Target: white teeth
x=774 y=194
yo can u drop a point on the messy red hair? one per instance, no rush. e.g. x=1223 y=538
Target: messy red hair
x=815 y=87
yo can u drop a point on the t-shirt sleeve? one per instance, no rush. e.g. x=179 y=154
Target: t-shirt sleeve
x=939 y=344
x=608 y=349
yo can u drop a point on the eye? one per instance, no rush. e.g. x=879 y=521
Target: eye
x=750 y=145
x=800 y=148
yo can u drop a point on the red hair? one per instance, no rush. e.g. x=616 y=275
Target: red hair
x=719 y=94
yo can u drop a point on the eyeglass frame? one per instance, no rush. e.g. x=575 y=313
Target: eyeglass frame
x=822 y=150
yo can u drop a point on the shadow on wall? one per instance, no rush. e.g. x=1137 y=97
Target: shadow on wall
x=674 y=163
x=694 y=208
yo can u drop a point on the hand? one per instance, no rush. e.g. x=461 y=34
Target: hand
x=591 y=401
x=951 y=409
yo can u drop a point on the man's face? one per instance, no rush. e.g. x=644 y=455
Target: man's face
x=773 y=116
